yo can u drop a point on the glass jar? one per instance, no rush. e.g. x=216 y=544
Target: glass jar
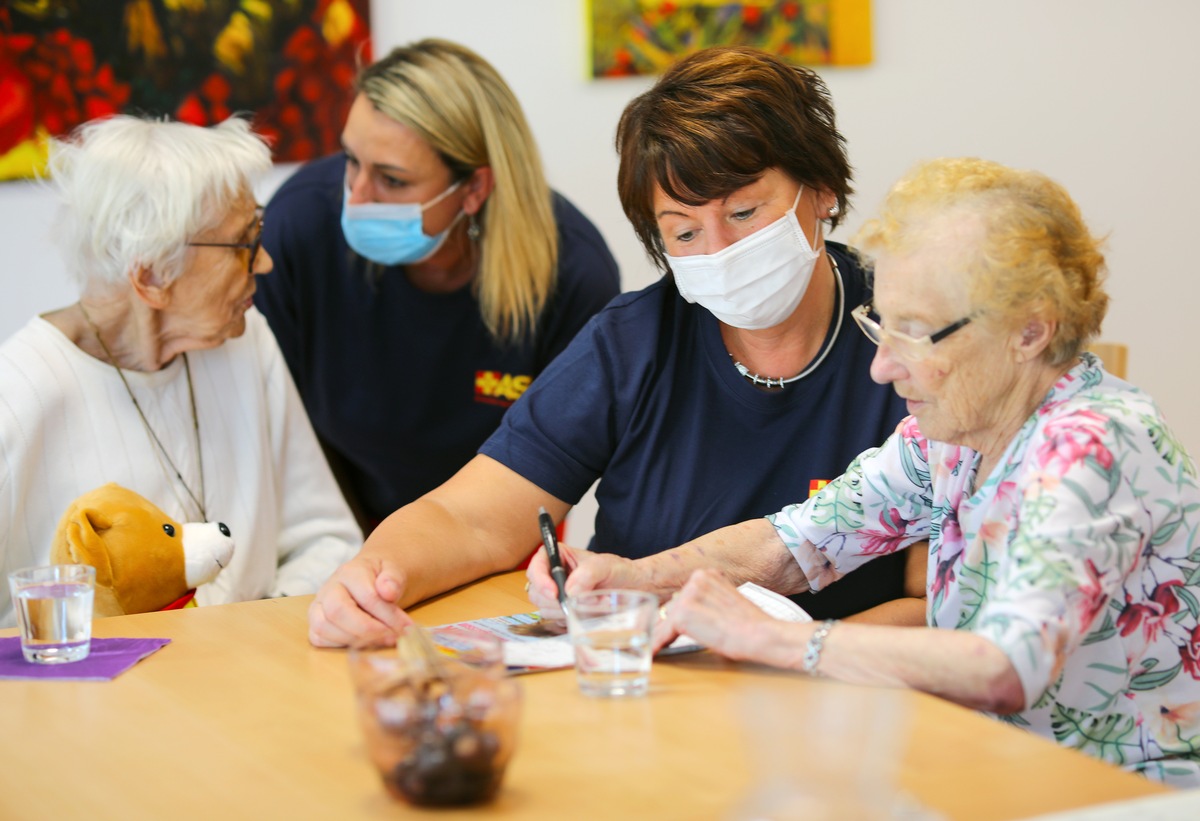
x=440 y=730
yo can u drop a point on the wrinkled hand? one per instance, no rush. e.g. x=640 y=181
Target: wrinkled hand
x=585 y=571
x=710 y=610
x=357 y=606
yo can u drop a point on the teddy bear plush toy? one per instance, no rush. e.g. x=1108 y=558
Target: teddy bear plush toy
x=144 y=559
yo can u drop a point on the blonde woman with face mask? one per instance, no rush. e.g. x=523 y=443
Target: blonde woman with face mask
x=425 y=274
x=713 y=395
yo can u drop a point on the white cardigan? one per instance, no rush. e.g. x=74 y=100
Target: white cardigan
x=67 y=426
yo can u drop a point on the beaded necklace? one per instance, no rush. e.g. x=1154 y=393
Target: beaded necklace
x=779 y=382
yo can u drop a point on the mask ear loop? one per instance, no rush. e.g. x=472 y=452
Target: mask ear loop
x=440 y=197
x=818 y=230
x=445 y=234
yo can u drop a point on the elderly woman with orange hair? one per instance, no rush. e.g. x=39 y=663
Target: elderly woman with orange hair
x=1063 y=517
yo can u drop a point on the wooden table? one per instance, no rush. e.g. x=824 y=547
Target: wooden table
x=240 y=718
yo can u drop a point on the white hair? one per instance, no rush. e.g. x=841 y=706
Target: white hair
x=134 y=191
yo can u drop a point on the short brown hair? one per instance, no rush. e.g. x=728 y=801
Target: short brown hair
x=714 y=123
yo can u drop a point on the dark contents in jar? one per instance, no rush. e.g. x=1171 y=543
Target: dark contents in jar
x=447 y=764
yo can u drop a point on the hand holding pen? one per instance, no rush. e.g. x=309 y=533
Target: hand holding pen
x=553 y=555
x=586 y=569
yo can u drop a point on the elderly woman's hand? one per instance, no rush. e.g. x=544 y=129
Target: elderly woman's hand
x=357 y=605
x=585 y=571
x=710 y=610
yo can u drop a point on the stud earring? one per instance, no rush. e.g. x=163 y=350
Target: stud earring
x=834 y=210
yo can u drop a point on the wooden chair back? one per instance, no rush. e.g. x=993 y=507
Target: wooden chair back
x=1114 y=355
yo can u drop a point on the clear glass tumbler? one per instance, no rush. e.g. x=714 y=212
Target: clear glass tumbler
x=610 y=631
x=54 y=611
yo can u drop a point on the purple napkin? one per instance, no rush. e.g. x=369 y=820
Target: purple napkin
x=107 y=660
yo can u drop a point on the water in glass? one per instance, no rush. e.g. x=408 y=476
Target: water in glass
x=613 y=662
x=56 y=621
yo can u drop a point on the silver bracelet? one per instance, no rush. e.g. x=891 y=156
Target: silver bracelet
x=812 y=653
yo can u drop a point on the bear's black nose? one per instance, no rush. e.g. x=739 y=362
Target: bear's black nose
x=169 y=529
x=221 y=526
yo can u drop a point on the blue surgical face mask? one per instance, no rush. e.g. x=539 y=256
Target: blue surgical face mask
x=391 y=233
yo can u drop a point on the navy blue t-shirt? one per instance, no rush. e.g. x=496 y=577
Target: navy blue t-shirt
x=647 y=400
x=402 y=386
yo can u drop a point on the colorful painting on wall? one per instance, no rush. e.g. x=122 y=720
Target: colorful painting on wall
x=632 y=37
x=288 y=63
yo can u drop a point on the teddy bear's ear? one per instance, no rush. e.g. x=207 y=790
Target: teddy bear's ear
x=79 y=542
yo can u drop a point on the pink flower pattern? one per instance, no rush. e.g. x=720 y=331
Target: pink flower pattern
x=1151 y=613
x=1189 y=654
x=892 y=537
x=1071 y=438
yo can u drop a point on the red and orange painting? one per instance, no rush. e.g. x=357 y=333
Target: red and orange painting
x=288 y=64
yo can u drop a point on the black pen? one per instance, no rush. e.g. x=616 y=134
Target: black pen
x=557 y=571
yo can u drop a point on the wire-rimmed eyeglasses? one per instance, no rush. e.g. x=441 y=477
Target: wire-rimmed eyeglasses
x=907 y=347
x=252 y=246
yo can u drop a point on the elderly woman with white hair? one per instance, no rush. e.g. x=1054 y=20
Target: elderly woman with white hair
x=1063 y=516
x=162 y=377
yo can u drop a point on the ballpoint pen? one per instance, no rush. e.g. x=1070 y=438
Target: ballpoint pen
x=557 y=571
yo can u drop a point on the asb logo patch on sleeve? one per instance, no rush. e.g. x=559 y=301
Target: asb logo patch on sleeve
x=496 y=388
x=815 y=485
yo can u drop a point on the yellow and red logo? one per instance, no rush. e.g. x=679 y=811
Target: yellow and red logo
x=815 y=485
x=496 y=388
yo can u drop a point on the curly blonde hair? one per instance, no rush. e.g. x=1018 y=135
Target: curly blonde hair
x=1037 y=257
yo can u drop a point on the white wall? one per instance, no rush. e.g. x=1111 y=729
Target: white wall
x=1100 y=94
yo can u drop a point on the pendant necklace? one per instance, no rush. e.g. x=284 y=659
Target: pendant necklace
x=779 y=382
x=160 y=451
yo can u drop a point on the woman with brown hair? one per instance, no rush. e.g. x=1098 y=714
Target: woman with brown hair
x=713 y=395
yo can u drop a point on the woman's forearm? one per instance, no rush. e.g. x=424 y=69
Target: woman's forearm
x=906 y=612
x=482 y=521
x=749 y=551
x=956 y=665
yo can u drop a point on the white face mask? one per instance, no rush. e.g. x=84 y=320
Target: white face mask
x=756 y=282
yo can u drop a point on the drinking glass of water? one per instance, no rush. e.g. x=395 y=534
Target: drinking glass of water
x=54 y=611
x=610 y=631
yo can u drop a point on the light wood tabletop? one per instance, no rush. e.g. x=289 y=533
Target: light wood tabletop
x=238 y=717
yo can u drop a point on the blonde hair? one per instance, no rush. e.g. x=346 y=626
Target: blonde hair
x=1037 y=255
x=460 y=105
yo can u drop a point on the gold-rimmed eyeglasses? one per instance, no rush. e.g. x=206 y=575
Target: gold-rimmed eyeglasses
x=912 y=348
x=252 y=246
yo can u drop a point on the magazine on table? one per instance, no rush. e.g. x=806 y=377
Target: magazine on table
x=532 y=644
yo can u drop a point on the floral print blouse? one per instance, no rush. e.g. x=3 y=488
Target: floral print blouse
x=1079 y=557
